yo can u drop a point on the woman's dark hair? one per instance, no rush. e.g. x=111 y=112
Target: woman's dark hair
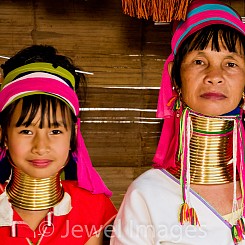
x=200 y=40
x=30 y=106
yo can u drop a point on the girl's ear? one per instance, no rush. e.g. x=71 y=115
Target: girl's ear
x=6 y=144
x=5 y=140
x=76 y=130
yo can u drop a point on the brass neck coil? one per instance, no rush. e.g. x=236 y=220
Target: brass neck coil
x=211 y=150
x=31 y=193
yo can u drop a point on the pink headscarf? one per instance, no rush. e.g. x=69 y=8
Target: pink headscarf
x=200 y=13
x=39 y=82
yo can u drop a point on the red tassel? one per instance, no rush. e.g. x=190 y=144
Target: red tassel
x=188 y=215
x=238 y=230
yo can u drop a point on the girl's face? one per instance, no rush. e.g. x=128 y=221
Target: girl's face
x=213 y=82
x=39 y=152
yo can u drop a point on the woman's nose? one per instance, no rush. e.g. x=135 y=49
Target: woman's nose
x=214 y=75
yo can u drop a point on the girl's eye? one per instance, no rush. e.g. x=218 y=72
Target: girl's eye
x=56 y=131
x=26 y=131
x=198 y=62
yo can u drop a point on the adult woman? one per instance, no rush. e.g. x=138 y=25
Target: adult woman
x=200 y=155
x=40 y=134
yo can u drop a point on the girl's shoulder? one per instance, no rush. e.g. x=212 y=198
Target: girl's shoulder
x=2 y=188
x=72 y=188
x=79 y=195
x=83 y=202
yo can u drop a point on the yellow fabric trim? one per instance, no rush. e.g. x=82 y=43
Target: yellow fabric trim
x=233 y=217
x=39 y=66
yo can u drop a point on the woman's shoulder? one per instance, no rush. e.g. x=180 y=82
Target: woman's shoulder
x=153 y=190
x=154 y=181
x=153 y=176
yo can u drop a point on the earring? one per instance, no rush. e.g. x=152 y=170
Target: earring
x=179 y=97
x=178 y=91
x=178 y=101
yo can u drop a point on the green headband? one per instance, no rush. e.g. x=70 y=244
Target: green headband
x=36 y=67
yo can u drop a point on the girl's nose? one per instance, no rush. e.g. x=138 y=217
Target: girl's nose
x=40 y=144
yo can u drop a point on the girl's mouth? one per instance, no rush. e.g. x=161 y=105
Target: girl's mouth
x=40 y=163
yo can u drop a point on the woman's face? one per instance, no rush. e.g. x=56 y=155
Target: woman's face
x=39 y=152
x=213 y=82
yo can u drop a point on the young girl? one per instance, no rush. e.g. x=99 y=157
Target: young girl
x=40 y=136
x=195 y=194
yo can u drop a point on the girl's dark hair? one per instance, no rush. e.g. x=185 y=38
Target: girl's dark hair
x=47 y=104
x=200 y=40
x=43 y=53
x=33 y=54
x=30 y=106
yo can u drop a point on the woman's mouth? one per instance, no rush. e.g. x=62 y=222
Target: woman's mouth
x=213 y=96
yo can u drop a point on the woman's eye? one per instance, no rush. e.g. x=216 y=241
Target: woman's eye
x=198 y=62
x=231 y=64
x=25 y=131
